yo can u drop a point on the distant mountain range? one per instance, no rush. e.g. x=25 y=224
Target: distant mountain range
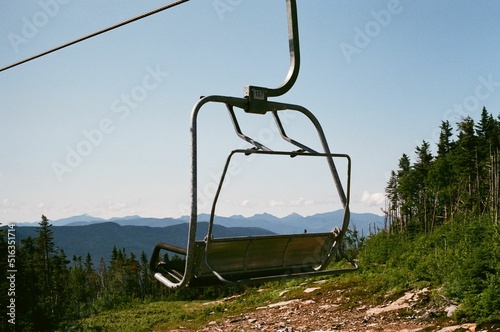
x=85 y=219
x=84 y=234
x=291 y=224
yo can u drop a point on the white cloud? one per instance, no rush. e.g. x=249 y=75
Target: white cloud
x=116 y=206
x=7 y=204
x=274 y=203
x=246 y=203
x=301 y=202
x=373 y=199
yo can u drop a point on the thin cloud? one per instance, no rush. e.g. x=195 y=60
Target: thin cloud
x=301 y=201
x=373 y=199
x=8 y=204
x=116 y=206
x=274 y=203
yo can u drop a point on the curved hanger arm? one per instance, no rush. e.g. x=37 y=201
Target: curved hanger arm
x=293 y=39
x=257 y=96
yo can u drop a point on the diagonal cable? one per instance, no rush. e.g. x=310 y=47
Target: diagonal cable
x=133 y=19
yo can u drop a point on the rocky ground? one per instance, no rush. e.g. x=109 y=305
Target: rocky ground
x=328 y=312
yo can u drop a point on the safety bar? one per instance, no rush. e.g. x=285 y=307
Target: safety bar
x=153 y=266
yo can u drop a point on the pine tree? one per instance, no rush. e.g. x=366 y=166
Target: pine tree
x=45 y=250
x=406 y=190
x=77 y=285
x=103 y=277
x=60 y=281
x=43 y=277
x=92 y=281
x=444 y=144
x=392 y=213
x=488 y=144
x=424 y=197
x=441 y=177
x=132 y=273
x=466 y=166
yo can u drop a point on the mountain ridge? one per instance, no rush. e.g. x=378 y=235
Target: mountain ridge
x=78 y=235
x=292 y=223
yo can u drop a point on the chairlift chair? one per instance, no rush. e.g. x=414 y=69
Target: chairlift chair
x=214 y=261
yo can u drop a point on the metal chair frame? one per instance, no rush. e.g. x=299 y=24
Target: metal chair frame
x=257 y=258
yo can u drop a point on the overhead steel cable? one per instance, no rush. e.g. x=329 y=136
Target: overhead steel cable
x=133 y=19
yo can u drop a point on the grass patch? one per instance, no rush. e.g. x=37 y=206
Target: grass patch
x=167 y=315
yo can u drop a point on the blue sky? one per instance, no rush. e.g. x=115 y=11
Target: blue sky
x=102 y=127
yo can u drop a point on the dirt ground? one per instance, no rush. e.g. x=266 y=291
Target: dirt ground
x=327 y=313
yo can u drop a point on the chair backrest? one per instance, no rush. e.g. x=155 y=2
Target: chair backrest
x=245 y=258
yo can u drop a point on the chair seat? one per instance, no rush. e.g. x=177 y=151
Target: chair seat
x=247 y=259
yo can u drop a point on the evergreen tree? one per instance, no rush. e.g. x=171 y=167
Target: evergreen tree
x=487 y=131
x=406 y=190
x=466 y=166
x=392 y=213
x=132 y=273
x=77 y=285
x=92 y=282
x=444 y=144
x=424 y=198
x=45 y=250
x=43 y=279
x=103 y=278
x=60 y=281
x=441 y=177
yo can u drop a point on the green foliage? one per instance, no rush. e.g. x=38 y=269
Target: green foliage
x=462 y=256
x=443 y=215
x=54 y=293
x=142 y=317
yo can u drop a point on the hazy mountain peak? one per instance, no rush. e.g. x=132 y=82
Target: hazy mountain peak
x=125 y=218
x=294 y=215
x=81 y=218
x=265 y=215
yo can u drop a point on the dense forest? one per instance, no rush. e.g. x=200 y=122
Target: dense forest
x=52 y=291
x=441 y=231
x=461 y=180
x=442 y=226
